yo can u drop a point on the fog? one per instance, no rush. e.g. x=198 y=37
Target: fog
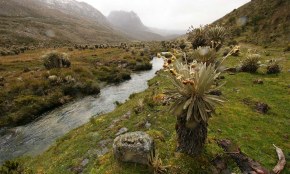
x=171 y=14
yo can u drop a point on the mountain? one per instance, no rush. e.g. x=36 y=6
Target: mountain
x=262 y=22
x=53 y=22
x=130 y=24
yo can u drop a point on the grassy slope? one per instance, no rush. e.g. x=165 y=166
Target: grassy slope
x=267 y=22
x=255 y=133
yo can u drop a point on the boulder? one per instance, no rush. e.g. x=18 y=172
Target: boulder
x=133 y=147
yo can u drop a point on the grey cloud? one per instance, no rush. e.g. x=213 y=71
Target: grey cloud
x=171 y=14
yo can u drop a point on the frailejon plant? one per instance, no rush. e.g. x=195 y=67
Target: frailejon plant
x=273 y=67
x=251 y=63
x=197 y=36
x=212 y=36
x=193 y=82
x=54 y=59
x=194 y=104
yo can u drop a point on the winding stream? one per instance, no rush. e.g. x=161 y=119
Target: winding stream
x=36 y=137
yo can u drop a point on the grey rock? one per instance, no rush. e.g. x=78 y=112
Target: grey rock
x=122 y=131
x=258 y=81
x=147 y=125
x=104 y=143
x=69 y=79
x=133 y=147
x=117 y=120
x=85 y=162
x=127 y=115
x=53 y=78
x=102 y=151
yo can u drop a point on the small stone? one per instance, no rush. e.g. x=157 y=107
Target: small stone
x=102 y=151
x=52 y=78
x=69 y=79
x=127 y=115
x=232 y=70
x=122 y=131
x=85 y=162
x=104 y=143
x=258 y=81
x=216 y=92
x=133 y=147
x=147 y=125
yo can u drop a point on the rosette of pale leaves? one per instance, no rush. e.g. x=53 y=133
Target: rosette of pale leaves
x=251 y=63
x=191 y=92
x=216 y=34
x=203 y=54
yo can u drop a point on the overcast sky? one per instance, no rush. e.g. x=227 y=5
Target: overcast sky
x=171 y=14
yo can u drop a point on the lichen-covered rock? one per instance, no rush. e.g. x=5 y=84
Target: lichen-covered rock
x=133 y=147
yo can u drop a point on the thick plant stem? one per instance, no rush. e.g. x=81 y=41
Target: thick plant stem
x=190 y=140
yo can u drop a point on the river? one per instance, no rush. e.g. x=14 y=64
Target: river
x=36 y=137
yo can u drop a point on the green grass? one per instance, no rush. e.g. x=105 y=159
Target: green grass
x=27 y=94
x=253 y=132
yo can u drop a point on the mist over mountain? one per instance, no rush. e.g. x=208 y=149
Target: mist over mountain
x=131 y=24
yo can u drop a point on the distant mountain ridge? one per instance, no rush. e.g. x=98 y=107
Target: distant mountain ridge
x=262 y=22
x=66 y=21
x=131 y=24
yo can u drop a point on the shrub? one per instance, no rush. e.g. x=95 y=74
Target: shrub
x=273 y=67
x=56 y=60
x=287 y=48
x=141 y=66
x=226 y=51
x=197 y=37
x=11 y=167
x=182 y=44
x=251 y=63
x=86 y=87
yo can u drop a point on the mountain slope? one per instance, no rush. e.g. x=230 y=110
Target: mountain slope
x=263 y=22
x=53 y=22
x=130 y=24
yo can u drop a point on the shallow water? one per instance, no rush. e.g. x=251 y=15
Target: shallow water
x=36 y=137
